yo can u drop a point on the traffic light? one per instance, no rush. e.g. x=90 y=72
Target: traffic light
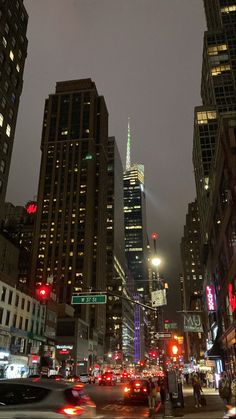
x=174 y=349
x=43 y=292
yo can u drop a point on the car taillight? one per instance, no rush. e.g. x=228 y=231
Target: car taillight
x=137 y=384
x=126 y=389
x=144 y=390
x=108 y=378
x=71 y=411
x=99 y=378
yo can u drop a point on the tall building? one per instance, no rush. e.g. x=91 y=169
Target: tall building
x=13 y=51
x=71 y=224
x=135 y=222
x=213 y=159
x=190 y=255
x=136 y=245
x=120 y=313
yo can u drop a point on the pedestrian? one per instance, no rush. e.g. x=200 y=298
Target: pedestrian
x=162 y=386
x=233 y=391
x=197 y=388
x=225 y=390
x=187 y=378
x=152 y=395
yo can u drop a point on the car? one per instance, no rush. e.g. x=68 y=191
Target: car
x=136 y=390
x=92 y=379
x=43 y=398
x=108 y=378
x=84 y=378
x=125 y=376
x=56 y=377
x=73 y=378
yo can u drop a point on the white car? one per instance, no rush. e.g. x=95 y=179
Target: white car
x=84 y=378
x=44 y=399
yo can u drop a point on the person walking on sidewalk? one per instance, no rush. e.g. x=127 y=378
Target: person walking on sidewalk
x=152 y=395
x=197 y=388
x=225 y=390
x=233 y=391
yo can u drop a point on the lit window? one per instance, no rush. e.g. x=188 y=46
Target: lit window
x=5 y=147
x=2 y=166
x=216 y=71
x=228 y=9
x=18 y=68
x=4 y=41
x=1 y=120
x=8 y=130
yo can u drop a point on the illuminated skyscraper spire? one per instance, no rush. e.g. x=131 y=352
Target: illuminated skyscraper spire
x=128 y=147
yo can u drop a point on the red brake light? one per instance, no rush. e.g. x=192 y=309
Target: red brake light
x=145 y=390
x=71 y=411
x=108 y=378
x=137 y=384
x=126 y=389
x=99 y=378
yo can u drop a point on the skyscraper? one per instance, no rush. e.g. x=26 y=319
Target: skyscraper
x=135 y=221
x=120 y=313
x=13 y=51
x=191 y=261
x=136 y=244
x=71 y=225
x=214 y=167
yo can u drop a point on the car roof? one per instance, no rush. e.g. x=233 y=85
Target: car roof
x=42 y=382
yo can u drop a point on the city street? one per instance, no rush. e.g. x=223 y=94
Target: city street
x=109 y=402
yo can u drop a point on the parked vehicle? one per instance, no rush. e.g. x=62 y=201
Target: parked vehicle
x=43 y=398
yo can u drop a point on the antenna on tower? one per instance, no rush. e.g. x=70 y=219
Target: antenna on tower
x=128 y=163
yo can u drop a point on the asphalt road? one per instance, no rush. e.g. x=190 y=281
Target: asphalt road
x=110 y=404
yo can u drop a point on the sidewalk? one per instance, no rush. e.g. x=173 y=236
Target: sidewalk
x=213 y=409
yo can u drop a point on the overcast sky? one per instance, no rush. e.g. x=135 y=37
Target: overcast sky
x=145 y=57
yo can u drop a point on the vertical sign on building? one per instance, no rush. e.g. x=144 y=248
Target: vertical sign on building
x=210 y=296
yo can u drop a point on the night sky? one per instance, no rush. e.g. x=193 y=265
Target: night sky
x=145 y=57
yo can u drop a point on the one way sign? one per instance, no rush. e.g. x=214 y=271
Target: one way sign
x=162 y=335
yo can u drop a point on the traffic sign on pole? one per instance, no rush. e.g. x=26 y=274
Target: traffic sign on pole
x=89 y=299
x=162 y=335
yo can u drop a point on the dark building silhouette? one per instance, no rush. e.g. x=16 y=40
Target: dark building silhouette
x=214 y=167
x=13 y=51
x=71 y=224
x=190 y=255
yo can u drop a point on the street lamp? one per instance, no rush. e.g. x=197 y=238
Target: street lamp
x=156 y=261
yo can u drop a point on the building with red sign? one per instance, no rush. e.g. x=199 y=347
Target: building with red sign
x=214 y=160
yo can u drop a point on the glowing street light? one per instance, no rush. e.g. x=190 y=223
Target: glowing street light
x=156 y=261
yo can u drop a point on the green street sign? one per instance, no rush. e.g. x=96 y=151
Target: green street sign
x=89 y=299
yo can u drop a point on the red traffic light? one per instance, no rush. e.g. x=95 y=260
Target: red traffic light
x=174 y=349
x=43 y=291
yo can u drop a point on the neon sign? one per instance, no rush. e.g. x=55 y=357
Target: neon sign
x=232 y=298
x=210 y=295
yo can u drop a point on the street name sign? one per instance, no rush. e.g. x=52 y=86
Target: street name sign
x=162 y=335
x=89 y=299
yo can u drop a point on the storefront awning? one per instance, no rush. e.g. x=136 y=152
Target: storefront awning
x=215 y=351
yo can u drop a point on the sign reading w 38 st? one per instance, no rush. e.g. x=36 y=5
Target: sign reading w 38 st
x=89 y=299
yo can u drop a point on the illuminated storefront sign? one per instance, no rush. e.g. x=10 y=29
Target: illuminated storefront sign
x=210 y=295
x=232 y=298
